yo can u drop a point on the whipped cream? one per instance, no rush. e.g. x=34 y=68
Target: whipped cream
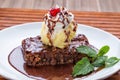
x=63 y=18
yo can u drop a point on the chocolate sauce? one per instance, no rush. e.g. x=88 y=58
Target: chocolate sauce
x=58 y=72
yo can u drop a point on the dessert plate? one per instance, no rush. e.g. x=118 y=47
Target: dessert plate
x=12 y=37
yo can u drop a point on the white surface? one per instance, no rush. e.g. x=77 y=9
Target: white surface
x=12 y=37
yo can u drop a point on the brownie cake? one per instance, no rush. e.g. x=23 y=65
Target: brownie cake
x=36 y=53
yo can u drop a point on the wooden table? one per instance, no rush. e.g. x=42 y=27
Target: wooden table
x=106 y=21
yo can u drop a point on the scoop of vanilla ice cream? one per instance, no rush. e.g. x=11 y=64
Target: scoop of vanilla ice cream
x=58 y=30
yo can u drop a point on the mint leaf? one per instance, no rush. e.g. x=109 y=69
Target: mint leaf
x=100 y=61
x=111 y=61
x=103 y=50
x=82 y=67
x=87 y=50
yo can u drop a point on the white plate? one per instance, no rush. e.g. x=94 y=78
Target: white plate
x=12 y=37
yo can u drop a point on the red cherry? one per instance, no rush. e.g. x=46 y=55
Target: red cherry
x=53 y=12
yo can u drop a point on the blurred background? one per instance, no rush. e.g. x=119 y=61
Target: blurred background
x=78 y=5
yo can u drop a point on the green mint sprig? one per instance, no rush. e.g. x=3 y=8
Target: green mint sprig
x=84 y=67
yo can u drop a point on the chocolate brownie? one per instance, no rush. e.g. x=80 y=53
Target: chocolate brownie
x=37 y=54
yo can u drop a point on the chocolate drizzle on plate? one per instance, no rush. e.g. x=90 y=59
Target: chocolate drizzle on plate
x=45 y=70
